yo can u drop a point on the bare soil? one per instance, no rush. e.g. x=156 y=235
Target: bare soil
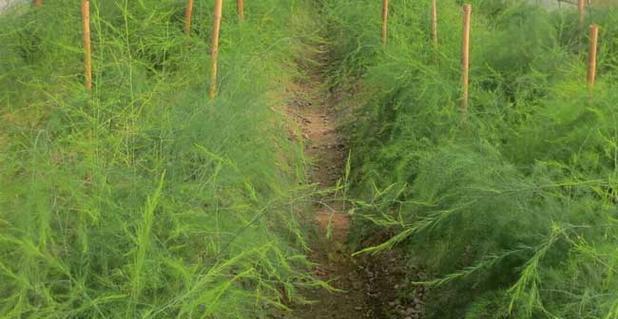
x=374 y=287
x=363 y=287
x=312 y=110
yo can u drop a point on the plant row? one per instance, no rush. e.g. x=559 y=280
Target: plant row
x=144 y=198
x=512 y=208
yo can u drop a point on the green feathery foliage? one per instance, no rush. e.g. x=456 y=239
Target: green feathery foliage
x=144 y=199
x=512 y=209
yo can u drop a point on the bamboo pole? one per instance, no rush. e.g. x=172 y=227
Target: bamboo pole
x=434 y=22
x=465 y=57
x=240 y=4
x=214 y=51
x=87 y=44
x=384 y=21
x=188 y=16
x=581 y=7
x=592 y=56
x=37 y=3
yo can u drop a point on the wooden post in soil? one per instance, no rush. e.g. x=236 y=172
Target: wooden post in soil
x=465 y=58
x=592 y=56
x=384 y=21
x=240 y=5
x=37 y=3
x=434 y=22
x=188 y=16
x=214 y=49
x=87 y=44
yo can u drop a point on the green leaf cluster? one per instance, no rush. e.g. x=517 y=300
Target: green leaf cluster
x=144 y=198
x=511 y=207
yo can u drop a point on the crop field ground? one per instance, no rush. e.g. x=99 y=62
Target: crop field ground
x=316 y=159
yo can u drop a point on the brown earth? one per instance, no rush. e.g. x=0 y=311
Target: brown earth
x=365 y=286
x=312 y=110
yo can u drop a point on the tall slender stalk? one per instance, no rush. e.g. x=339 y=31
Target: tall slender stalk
x=87 y=44
x=465 y=57
x=214 y=50
x=188 y=16
x=434 y=22
x=592 y=55
x=240 y=4
x=384 y=21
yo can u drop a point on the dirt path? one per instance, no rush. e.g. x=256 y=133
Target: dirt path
x=313 y=110
x=376 y=287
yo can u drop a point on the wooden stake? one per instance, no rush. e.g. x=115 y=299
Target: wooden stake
x=592 y=55
x=87 y=44
x=581 y=7
x=188 y=16
x=37 y=3
x=384 y=21
x=434 y=22
x=465 y=54
x=214 y=50
x=240 y=4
